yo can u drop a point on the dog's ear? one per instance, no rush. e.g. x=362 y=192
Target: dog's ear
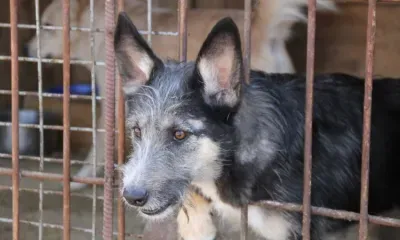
x=220 y=65
x=135 y=59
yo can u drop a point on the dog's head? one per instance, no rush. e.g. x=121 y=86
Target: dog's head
x=177 y=115
x=51 y=40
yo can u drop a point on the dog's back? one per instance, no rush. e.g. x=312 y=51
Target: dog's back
x=273 y=109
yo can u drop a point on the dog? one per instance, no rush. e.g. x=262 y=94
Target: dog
x=197 y=124
x=271 y=24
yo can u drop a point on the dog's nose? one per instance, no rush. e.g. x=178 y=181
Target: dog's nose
x=136 y=196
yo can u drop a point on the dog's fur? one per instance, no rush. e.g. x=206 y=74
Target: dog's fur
x=271 y=24
x=244 y=143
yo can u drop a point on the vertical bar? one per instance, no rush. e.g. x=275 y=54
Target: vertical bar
x=40 y=93
x=149 y=21
x=182 y=10
x=311 y=25
x=15 y=116
x=369 y=67
x=247 y=40
x=94 y=118
x=121 y=147
x=66 y=121
x=246 y=66
x=109 y=120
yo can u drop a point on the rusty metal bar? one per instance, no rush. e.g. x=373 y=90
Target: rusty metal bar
x=306 y=224
x=41 y=131
x=15 y=116
x=331 y=213
x=109 y=120
x=247 y=41
x=182 y=27
x=149 y=20
x=56 y=226
x=365 y=157
x=121 y=144
x=51 y=176
x=66 y=122
x=247 y=69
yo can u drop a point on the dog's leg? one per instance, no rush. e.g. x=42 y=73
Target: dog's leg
x=195 y=220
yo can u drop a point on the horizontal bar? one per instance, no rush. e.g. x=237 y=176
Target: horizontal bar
x=58 y=28
x=84 y=29
x=50 y=192
x=50 y=95
x=327 y=212
x=52 y=176
x=56 y=226
x=53 y=127
x=51 y=160
x=51 y=60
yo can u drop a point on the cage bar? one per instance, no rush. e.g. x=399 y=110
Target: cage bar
x=182 y=25
x=121 y=146
x=41 y=131
x=51 y=176
x=15 y=117
x=109 y=120
x=94 y=120
x=247 y=69
x=306 y=223
x=60 y=227
x=85 y=29
x=149 y=20
x=50 y=60
x=47 y=159
x=247 y=40
x=110 y=130
x=327 y=212
x=365 y=157
x=66 y=122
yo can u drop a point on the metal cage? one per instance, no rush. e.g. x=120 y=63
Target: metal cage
x=115 y=130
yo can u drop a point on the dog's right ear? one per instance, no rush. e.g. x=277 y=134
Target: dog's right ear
x=135 y=59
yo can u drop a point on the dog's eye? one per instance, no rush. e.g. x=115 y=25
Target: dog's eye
x=137 y=132
x=180 y=135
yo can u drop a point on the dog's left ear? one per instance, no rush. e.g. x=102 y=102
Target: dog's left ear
x=220 y=65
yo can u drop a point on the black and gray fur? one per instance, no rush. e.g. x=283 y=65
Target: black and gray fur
x=245 y=143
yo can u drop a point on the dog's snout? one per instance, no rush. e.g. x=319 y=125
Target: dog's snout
x=136 y=196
